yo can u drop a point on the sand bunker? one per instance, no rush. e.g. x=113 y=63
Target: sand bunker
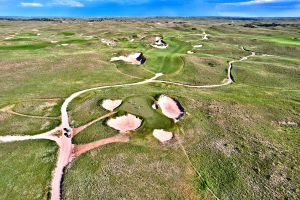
x=108 y=42
x=135 y=59
x=190 y=52
x=125 y=123
x=198 y=46
x=159 y=43
x=53 y=42
x=170 y=107
x=64 y=45
x=161 y=135
x=110 y=105
x=9 y=38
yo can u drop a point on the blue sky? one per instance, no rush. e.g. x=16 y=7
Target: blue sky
x=76 y=8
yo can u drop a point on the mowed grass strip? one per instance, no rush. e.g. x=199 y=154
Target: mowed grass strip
x=168 y=60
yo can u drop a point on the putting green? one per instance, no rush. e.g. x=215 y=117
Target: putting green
x=141 y=106
x=168 y=60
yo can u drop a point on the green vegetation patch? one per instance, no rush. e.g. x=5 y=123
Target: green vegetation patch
x=25 y=46
x=283 y=40
x=26 y=169
x=66 y=34
x=141 y=106
x=168 y=60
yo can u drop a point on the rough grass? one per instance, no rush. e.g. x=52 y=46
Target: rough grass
x=27 y=176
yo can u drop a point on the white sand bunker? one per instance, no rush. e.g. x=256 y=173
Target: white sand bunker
x=110 y=105
x=160 y=43
x=108 y=42
x=190 y=52
x=161 y=135
x=64 y=45
x=135 y=59
x=198 y=46
x=9 y=38
x=125 y=123
x=170 y=107
x=53 y=41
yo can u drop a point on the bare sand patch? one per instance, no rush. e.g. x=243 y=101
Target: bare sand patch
x=110 y=105
x=125 y=123
x=135 y=58
x=160 y=43
x=64 y=45
x=170 y=107
x=198 y=46
x=190 y=52
x=108 y=42
x=162 y=136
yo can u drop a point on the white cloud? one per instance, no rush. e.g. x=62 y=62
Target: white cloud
x=26 y=4
x=253 y=2
x=70 y=3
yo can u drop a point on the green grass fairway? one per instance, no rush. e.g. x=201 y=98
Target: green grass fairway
x=168 y=60
x=284 y=40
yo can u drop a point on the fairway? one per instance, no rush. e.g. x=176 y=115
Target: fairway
x=169 y=60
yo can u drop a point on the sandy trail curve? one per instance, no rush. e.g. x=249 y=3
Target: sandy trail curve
x=9 y=110
x=83 y=148
x=47 y=136
x=81 y=128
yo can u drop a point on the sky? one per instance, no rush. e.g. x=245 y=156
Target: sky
x=142 y=8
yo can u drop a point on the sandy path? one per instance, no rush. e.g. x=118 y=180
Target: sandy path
x=66 y=146
x=47 y=136
x=9 y=110
x=83 y=148
x=30 y=116
x=81 y=128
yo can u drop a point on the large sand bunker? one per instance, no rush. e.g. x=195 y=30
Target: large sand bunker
x=135 y=59
x=162 y=136
x=125 y=123
x=110 y=105
x=170 y=107
x=160 y=43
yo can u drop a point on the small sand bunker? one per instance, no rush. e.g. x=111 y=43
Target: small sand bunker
x=160 y=43
x=53 y=42
x=110 y=105
x=135 y=59
x=125 y=123
x=190 y=52
x=170 y=107
x=198 y=46
x=108 y=42
x=9 y=38
x=64 y=45
x=161 y=135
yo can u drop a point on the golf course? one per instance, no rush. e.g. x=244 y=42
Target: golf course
x=99 y=109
